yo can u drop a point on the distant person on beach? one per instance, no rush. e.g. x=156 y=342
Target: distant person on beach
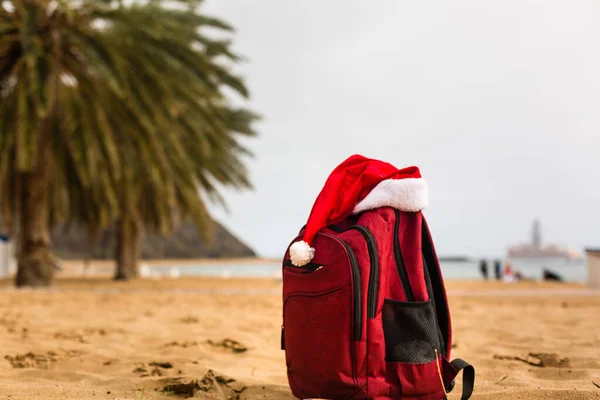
x=498 y=269
x=483 y=268
x=548 y=275
x=508 y=273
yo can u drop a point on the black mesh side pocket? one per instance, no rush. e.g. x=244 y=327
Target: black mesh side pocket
x=410 y=331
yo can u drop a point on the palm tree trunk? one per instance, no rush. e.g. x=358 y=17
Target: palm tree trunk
x=35 y=265
x=128 y=248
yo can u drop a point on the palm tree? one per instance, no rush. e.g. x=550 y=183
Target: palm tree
x=102 y=104
x=158 y=203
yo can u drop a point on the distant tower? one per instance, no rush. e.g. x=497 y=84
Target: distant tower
x=536 y=234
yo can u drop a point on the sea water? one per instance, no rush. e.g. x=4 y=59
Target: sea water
x=571 y=271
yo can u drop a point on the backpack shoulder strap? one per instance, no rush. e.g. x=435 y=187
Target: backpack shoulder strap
x=435 y=287
x=437 y=293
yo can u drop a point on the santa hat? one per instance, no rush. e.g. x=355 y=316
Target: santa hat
x=356 y=185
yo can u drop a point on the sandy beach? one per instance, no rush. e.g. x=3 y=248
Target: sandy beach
x=219 y=339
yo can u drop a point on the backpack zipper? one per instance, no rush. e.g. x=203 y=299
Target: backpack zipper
x=355 y=285
x=400 y=261
x=373 y=272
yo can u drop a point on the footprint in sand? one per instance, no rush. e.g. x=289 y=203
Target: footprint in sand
x=103 y=331
x=224 y=387
x=539 y=360
x=43 y=361
x=79 y=337
x=189 y=320
x=9 y=321
x=95 y=331
x=165 y=365
x=181 y=344
x=31 y=360
x=70 y=336
x=228 y=344
x=153 y=369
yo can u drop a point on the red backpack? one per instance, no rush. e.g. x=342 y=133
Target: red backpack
x=365 y=313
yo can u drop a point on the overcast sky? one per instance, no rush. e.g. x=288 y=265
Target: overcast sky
x=497 y=102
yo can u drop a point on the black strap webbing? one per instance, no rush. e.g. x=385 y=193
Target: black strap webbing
x=468 y=377
x=435 y=286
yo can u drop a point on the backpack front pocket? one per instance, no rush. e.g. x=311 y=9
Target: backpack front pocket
x=412 y=349
x=319 y=343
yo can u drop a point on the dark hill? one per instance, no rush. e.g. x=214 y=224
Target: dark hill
x=185 y=242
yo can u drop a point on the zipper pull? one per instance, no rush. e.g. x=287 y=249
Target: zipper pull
x=282 y=338
x=438 y=360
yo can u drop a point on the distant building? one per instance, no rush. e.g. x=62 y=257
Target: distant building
x=593 y=262
x=536 y=249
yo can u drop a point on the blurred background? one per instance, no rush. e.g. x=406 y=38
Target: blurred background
x=495 y=103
